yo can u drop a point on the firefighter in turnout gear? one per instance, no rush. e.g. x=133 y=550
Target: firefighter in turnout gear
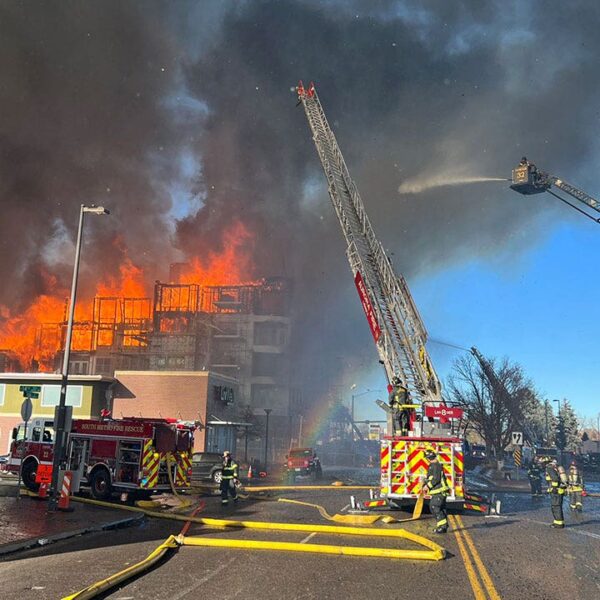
x=575 y=487
x=438 y=489
x=229 y=478
x=557 y=486
x=534 y=473
x=399 y=402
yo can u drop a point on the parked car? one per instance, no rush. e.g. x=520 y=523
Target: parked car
x=207 y=466
x=303 y=461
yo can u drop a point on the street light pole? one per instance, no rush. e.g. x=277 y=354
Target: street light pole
x=59 y=429
x=267 y=412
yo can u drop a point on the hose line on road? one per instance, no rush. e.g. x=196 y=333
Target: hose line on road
x=101 y=586
x=434 y=552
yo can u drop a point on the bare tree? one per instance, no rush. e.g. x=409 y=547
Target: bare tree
x=496 y=408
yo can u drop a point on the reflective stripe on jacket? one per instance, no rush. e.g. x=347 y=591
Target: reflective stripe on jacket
x=436 y=480
x=230 y=470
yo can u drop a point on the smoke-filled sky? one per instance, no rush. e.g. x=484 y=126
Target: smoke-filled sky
x=179 y=117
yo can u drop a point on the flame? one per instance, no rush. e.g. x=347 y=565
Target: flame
x=230 y=267
x=121 y=305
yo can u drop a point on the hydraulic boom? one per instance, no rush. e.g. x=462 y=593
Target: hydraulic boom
x=528 y=179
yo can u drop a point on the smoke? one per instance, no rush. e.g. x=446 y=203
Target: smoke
x=179 y=118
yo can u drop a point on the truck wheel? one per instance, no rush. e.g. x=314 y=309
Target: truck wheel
x=28 y=473
x=217 y=476
x=100 y=484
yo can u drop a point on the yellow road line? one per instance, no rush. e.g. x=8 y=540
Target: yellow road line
x=475 y=585
x=485 y=576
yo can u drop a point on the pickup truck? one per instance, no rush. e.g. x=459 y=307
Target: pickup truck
x=303 y=462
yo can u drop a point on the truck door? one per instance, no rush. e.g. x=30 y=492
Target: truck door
x=78 y=457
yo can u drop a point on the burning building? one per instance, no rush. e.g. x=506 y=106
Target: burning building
x=239 y=331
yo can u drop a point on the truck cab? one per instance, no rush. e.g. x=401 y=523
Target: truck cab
x=31 y=446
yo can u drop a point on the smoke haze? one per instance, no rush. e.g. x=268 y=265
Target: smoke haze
x=179 y=117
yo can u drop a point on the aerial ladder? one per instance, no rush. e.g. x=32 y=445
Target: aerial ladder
x=397 y=329
x=527 y=179
x=498 y=387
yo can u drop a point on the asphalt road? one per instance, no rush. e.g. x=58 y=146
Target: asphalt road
x=516 y=555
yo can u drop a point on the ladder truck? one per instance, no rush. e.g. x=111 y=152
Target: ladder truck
x=422 y=421
x=527 y=179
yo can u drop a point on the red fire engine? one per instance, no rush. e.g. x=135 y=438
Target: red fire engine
x=124 y=455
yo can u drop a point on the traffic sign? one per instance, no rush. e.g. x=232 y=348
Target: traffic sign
x=26 y=409
x=517 y=438
x=31 y=391
x=518 y=456
x=444 y=411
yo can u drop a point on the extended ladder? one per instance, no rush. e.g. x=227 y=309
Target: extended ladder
x=395 y=323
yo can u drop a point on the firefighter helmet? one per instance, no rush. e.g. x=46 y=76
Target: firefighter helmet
x=430 y=454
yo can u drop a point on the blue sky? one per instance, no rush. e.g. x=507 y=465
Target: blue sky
x=537 y=308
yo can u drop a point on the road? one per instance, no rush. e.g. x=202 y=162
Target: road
x=513 y=556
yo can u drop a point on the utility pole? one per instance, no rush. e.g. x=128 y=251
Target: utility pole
x=61 y=410
x=267 y=412
x=546 y=408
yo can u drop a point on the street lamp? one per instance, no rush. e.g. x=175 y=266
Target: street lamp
x=268 y=411
x=60 y=433
x=367 y=391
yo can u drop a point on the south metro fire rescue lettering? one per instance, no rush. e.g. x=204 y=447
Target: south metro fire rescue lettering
x=111 y=455
x=367 y=306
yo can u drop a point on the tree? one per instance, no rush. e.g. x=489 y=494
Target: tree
x=495 y=406
x=568 y=436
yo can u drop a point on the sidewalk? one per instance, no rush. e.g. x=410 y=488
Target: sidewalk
x=24 y=522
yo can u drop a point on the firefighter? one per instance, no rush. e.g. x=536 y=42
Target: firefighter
x=399 y=403
x=438 y=489
x=229 y=478
x=557 y=486
x=575 y=487
x=534 y=473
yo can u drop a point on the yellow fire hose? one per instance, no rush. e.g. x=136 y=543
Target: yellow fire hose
x=343 y=487
x=434 y=551
x=101 y=586
x=359 y=519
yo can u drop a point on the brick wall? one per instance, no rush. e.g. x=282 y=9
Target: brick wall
x=172 y=394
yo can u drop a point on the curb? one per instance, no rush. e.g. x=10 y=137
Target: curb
x=32 y=542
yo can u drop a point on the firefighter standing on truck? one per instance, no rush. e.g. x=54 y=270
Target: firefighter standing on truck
x=575 y=482
x=399 y=403
x=229 y=478
x=438 y=489
x=557 y=486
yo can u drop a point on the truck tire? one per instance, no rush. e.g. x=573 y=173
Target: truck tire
x=28 y=473
x=100 y=484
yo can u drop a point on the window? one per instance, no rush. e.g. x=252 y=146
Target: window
x=48 y=432
x=36 y=434
x=2 y=392
x=269 y=333
x=51 y=395
x=266 y=364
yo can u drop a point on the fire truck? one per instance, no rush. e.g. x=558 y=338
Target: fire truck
x=120 y=455
x=422 y=421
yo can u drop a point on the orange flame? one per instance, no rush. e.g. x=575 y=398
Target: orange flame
x=38 y=332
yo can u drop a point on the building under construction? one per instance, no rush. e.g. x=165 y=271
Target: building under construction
x=241 y=331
